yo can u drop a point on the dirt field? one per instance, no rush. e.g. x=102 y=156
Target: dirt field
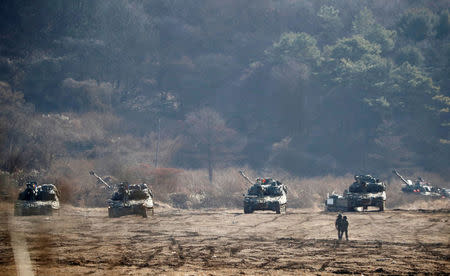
x=223 y=241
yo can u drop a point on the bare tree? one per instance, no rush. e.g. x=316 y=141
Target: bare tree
x=210 y=139
x=15 y=116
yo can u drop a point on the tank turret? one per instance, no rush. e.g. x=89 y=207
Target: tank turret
x=37 y=200
x=366 y=184
x=128 y=199
x=364 y=192
x=265 y=194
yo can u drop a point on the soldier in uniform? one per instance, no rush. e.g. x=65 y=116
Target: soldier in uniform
x=338 y=224
x=344 y=227
x=121 y=192
x=30 y=192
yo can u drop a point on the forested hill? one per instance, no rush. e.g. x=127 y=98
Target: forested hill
x=309 y=86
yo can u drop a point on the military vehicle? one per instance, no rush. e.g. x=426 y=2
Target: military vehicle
x=265 y=194
x=421 y=187
x=128 y=199
x=37 y=200
x=131 y=199
x=364 y=192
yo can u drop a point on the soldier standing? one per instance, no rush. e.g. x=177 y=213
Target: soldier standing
x=30 y=192
x=338 y=224
x=121 y=192
x=344 y=227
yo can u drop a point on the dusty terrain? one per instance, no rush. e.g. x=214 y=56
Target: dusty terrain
x=224 y=241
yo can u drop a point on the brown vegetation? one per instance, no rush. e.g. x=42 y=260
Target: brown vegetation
x=191 y=188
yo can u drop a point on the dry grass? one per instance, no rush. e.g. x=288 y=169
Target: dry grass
x=191 y=188
x=228 y=187
x=77 y=187
x=311 y=192
x=8 y=186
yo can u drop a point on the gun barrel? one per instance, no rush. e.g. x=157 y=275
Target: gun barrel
x=401 y=177
x=245 y=177
x=99 y=179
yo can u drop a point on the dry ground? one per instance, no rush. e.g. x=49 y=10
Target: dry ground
x=224 y=241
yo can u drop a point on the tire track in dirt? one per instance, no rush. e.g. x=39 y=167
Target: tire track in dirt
x=426 y=248
x=247 y=227
x=302 y=221
x=227 y=242
x=421 y=230
x=265 y=222
x=298 y=224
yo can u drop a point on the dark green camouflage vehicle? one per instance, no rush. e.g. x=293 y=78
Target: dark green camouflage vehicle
x=37 y=200
x=366 y=191
x=265 y=194
x=136 y=199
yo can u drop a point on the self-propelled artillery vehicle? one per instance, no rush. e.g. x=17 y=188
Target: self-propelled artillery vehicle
x=265 y=194
x=364 y=192
x=421 y=187
x=136 y=199
x=37 y=200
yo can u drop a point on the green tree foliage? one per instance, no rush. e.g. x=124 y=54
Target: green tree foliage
x=353 y=48
x=442 y=107
x=417 y=24
x=364 y=24
x=413 y=93
x=384 y=37
x=355 y=62
x=330 y=23
x=300 y=47
x=413 y=87
x=343 y=84
x=443 y=26
x=410 y=54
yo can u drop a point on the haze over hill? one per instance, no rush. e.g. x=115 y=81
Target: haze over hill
x=301 y=88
